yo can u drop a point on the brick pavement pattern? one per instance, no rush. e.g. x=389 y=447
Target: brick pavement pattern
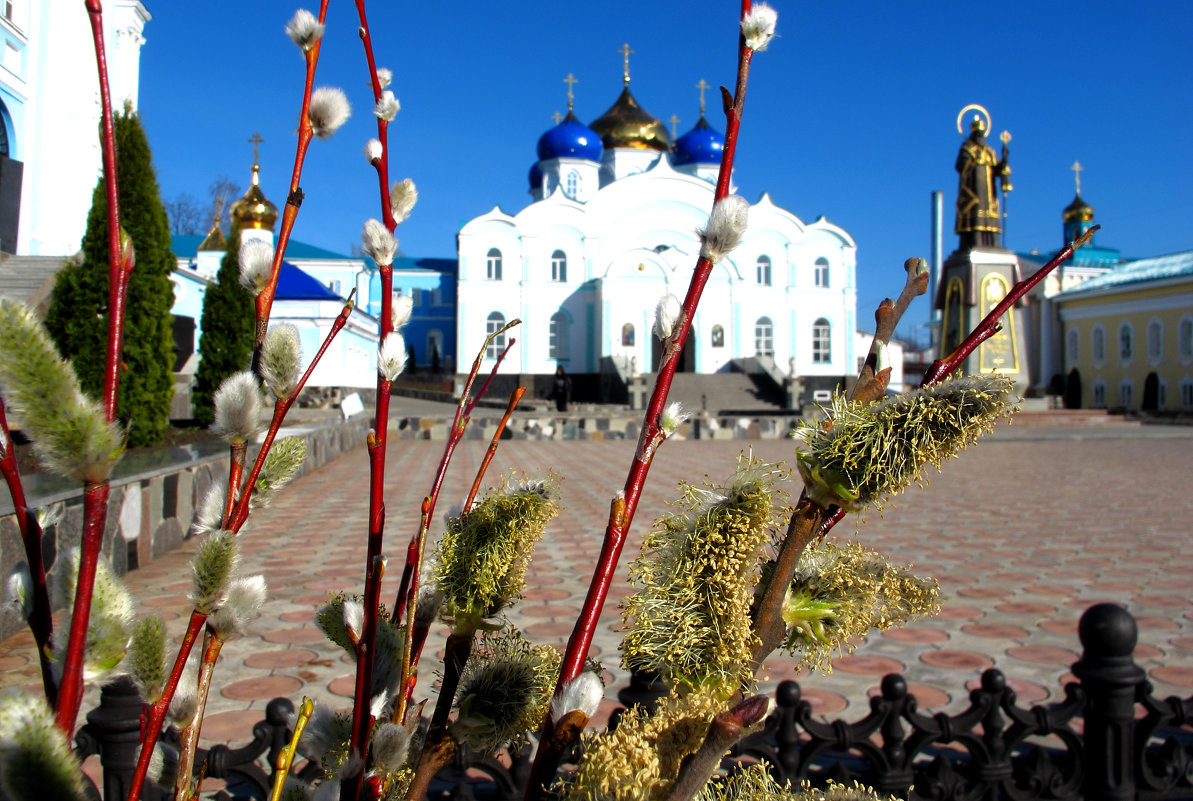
x=1023 y=532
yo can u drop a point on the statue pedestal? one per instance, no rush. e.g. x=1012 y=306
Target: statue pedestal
x=972 y=283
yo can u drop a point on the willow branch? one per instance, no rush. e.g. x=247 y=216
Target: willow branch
x=872 y=382
x=515 y=397
x=941 y=369
x=623 y=507
x=264 y=302
x=41 y=619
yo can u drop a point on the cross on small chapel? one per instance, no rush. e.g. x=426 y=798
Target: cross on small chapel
x=626 y=52
x=1077 y=168
x=674 y=121
x=702 y=86
x=571 y=81
x=557 y=117
x=256 y=140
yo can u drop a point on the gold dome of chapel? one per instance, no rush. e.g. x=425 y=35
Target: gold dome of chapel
x=627 y=124
x=254 y=210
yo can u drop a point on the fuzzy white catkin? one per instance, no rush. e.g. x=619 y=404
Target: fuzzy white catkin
x=281 y=362
x=304 y=28
x=387 y=106
x=374 y=150
x=391 y=358
x=18 y=595
x=379 y=244
x=672 y=418
x=238 y=408
x=242 y=602
x=329 y=110
x=384 y=76
x=758 y=26
x=354 y=618
x=726 y=226
x=402 y=197
x=583 y=693
x=400 y=311
x=390 y=744
x=666 y=316
x=256 y=264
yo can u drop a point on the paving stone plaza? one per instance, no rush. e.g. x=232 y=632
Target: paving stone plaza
x=1024 y=532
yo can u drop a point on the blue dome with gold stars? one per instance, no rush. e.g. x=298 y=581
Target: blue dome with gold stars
x=570 y=139
x=701 y=145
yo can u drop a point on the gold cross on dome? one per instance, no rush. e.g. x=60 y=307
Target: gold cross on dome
x=1077 y=168
x=256 y=140
x=557 y=117
x=626 y=52
x=702 y=86
x=674 y=121
x=571 y=81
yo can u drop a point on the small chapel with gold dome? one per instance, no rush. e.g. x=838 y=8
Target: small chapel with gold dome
x=612 y=226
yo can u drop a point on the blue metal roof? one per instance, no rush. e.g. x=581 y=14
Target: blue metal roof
x=1175 y=265
x=294 y=284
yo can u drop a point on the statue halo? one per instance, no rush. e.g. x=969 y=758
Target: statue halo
x=975 y=107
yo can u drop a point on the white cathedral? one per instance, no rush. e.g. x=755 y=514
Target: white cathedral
x=612 y=227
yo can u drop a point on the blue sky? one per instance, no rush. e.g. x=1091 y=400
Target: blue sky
x=850 y=114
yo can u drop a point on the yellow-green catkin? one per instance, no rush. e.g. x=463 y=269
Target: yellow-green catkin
x=639 y=760
x=71 y=435
x=690 y=620
x=281 y=465
x=110 y=625
x=36 y=760
x=755 y=783
x=505 y=690
x=842 y=592
x=866 y=453
x=480 y=564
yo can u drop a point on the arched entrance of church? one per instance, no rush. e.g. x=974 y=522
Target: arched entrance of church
x=687 y=357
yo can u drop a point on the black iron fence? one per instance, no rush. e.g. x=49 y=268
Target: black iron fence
x=1110 y=738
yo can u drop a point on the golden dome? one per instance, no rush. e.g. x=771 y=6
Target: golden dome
x=626 y=124
x=1079 y=211
x=254 y=210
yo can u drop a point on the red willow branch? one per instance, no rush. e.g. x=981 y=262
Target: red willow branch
x=515 y=398
x=95 y=496
x=942 y=369
x=152 y=727
x=810 y=522
x=414 y=561
x=240 y=513
x=362 y=718
x=157 y=712
x=621 y=513
x=264 y=302
x=41 y=619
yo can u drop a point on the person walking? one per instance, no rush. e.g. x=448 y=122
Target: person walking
x=563 y=389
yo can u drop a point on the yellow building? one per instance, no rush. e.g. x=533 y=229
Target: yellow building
x=1128 y=334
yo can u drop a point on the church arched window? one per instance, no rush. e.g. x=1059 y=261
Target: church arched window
x=559 y=266
x=571 y=185
x=1073 y=347
x=1126 y=344
x=493 y=265
x=764 y=337
x=763 y=270
x=820 y=275
x=1098 y=349
x=492 y=325
x=5 y=146
x=822 y=341
x=627 y=335
x=557 y=336
x=1184 y=335
x=1155 y=340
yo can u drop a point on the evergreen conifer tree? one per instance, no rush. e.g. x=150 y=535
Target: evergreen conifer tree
x=77 y=317
x=228 y=324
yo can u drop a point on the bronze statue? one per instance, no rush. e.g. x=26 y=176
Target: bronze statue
x=979 y=219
